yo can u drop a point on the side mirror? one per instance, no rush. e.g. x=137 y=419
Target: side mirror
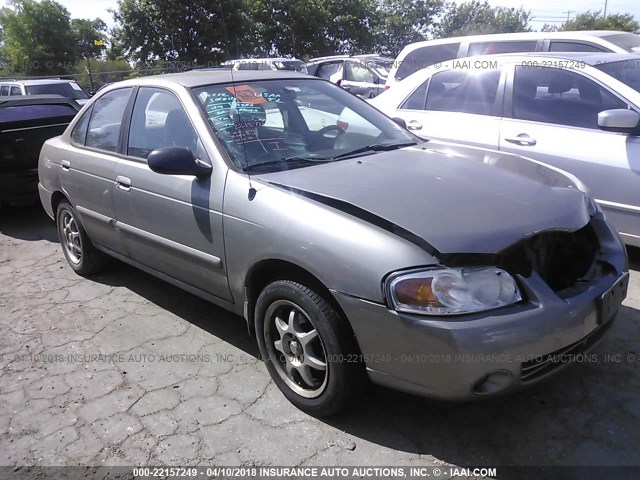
x=177 y=161
x=619 y=120
x=400 y=121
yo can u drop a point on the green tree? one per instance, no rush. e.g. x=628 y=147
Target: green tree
x=405 y=21
x=37 y=38
x=593 y=20
x=475 y=17
x=90 y=36
x=192 y=32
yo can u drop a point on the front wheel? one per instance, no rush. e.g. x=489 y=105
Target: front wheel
x=308 y=348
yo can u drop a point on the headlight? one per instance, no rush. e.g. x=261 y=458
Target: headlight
x=452 y=291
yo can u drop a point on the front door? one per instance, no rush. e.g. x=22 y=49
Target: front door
x=170 y=223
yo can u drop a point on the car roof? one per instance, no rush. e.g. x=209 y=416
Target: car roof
x=366 y=56
x=517 y=36
x=589 y=58
x=40 y=81
x=196 y=78
x=270 y=59
x=20 y=100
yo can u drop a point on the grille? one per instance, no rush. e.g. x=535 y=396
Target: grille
x=562 y=259
x=545 y=364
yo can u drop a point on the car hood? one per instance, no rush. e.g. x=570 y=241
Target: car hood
x=457 y=199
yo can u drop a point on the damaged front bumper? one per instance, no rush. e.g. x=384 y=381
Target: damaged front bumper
x=489 y=353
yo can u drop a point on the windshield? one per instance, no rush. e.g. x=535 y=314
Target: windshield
x=629 y=41
x=295 y=123
x=296 y=66
x=67 y=89
x=627 y=71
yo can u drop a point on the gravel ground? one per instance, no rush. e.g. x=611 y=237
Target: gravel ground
x=96 y=372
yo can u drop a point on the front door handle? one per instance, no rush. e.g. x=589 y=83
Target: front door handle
x=123 y=183
x=65 y=165
x=522 y=139
x=414 y=125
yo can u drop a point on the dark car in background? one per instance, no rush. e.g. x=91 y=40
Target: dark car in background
x=364 y=75
x=26 y=122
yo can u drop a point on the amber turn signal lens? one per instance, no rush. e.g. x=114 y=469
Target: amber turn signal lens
x=416 y=291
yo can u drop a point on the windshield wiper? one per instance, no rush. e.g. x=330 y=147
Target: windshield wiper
x=286 y=162
x=381 y=147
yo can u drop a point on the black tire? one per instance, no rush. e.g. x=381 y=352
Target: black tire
x=344 y=376
x=88 y=261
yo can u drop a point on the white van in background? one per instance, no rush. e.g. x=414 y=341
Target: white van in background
x=419 y=55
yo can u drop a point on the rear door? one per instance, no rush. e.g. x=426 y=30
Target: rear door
x=87 y=166
x=551 y=114
x=457 y=105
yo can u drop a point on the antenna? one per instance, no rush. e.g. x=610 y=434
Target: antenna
x=252 y=191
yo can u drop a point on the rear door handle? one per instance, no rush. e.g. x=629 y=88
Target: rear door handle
x=123 y=183
x=66 y=165
x=522 y=139
x=414 y=125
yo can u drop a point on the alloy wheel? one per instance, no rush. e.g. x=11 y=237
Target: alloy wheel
x=296 y=349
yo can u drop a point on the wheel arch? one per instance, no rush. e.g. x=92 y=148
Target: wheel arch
x=56 y=198
x=269 y=270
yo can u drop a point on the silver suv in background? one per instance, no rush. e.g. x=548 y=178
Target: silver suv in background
x=50 y=86
x=364 y=75
x=419 y=55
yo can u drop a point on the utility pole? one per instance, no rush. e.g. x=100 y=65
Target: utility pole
x=605 y=8
x=568 y=12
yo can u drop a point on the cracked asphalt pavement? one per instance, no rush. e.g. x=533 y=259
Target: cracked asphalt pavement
x=124 y=369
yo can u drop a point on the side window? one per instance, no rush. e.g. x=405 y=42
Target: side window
x=490 y=48
x=329 y=70
x=15 y=91
x=562 y=97
x=356 y=72
x=557 y=46
x=4 y=90
x=425 y=56
x=106 y=119
x=79 y=133
x=465 y=91
x=417 y=99
x=249 y=66
x=159 y=120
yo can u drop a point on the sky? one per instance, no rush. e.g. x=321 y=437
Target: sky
x=543 y=11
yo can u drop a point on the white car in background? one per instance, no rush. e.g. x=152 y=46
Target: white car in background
x=419 y=55
x=579 y=112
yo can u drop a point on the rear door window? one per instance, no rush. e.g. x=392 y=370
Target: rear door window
x=330 y=71
x=465 y=91
x=356 y=72
x=425 y=56
x=490 y=48
x=106 y=120
x=558 y=46
x=15 y=91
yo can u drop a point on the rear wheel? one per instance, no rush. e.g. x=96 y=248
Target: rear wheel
x=80 y=253
x=308 y=348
